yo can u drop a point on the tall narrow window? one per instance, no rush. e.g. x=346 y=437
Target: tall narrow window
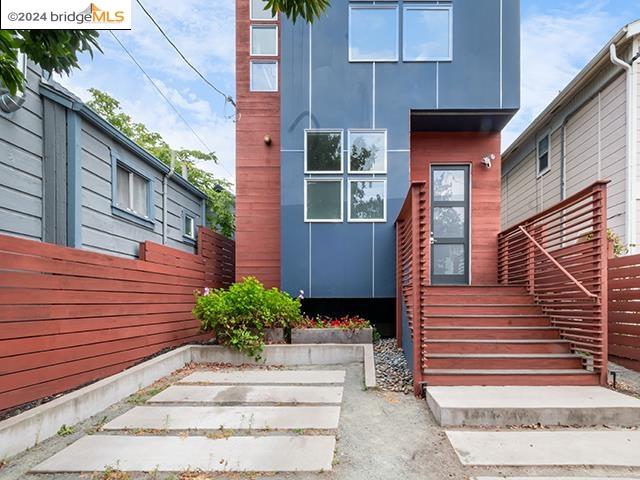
x=543 y=155
x=373 y=33
x=323 y=200
x=264 y=40
x=323 y=151
x=132 y=192
x=189 y=226
x=367 y=200
x=367 y=151
x=427 y=33
x=264 y=76
x=258 y=11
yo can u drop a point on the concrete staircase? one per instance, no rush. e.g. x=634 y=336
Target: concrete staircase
x=494 y=335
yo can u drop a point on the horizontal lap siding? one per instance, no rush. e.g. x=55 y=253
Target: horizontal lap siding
x=624 y=311
x=21 y=150
x=68 y=316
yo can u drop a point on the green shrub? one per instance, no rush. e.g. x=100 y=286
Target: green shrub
x=239 y=315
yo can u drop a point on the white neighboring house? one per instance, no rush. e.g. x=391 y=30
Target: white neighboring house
x=589 y=132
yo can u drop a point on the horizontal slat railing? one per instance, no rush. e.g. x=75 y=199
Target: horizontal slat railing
x=411 y=250
x=560 y=256
x=624 y=311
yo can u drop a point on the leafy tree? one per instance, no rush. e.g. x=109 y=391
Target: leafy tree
x=54 y=50
x=220 y=202
x=309 y=10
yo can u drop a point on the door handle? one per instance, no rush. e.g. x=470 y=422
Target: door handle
x=431 y=239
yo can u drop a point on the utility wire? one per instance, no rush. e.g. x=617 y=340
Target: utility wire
x=227 y=98
x=166 y=99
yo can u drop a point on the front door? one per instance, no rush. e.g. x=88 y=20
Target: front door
x=450 y=225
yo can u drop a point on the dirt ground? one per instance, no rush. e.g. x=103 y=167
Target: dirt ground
x=382 y=435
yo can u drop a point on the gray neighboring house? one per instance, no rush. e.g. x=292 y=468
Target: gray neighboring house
x=69 y=177
x=589 y=132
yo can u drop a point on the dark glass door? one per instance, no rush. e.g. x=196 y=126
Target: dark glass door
x=450 y=225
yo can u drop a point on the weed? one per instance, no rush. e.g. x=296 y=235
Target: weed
x=111 y=473
x=65 y=430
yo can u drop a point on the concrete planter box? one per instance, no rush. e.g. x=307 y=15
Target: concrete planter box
x=274 y=335
x=331 y=335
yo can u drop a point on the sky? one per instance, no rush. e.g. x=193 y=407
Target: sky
x=559 y=37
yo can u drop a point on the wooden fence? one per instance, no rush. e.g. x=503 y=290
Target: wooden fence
x=560 y=256
x=624 y=311
x=69 y=317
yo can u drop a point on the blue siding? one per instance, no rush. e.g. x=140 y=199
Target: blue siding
x=347 y=260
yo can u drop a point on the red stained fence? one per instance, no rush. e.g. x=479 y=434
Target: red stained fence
x=69 y=316
x=560 y=256
x=624 y=311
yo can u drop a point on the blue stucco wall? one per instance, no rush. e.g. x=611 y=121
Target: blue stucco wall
x=357 y=260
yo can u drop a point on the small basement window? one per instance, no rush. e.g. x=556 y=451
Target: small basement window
x=132 y=192
x=189 y=226
x=367 y=200
x=373 y=33
x=427 y=34
x=543 y=155
x=323 y=151
x=323 y=200
x=367 y=151
x=264 y=40
x=264 y=76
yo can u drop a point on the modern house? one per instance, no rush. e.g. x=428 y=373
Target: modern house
x=369 y=176
x=589 y=132
x=70 y=178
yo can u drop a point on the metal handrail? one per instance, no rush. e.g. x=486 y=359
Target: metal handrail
x=557 y=264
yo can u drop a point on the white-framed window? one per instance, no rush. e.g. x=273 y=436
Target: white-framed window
x=543 y=155
x=367 y=150
x=373 y=33
x=257 y=11
x=263 y=76
x=367 y=200
x=427 y=32
x=323 y=200
x=188 y=226
x=132 y=192
x=323 y=151
x=264 y=40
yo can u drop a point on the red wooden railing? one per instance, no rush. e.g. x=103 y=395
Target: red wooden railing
x=412 y=277
x=624 y=311
x=560 y=256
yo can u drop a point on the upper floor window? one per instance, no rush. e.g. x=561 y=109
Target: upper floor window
x=367 y=151
x=188 y=226
x=257 y=11
x=367 y=200
x=323 y=151
x=543 y=155
x=264 y=40
x=132 y=192
x=323 y=201
x=263 y=76
x=373 y=33
x=427 y=33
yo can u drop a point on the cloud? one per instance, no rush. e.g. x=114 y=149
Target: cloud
x=556 y=45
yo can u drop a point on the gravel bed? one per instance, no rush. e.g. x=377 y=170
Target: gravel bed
x=392 y=373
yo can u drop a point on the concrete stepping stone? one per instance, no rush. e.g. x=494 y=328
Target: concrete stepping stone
x=293 y=377
x=235 y=418
x=547 y=448
x=249 y=394
x=527 y=405
x=176 y=454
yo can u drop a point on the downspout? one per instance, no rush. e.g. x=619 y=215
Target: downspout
x=165 y=196
x=632 y=114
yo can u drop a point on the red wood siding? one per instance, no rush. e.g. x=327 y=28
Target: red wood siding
x=257 y=167
x=624 y=311
x=69 y=317
x=467 y=148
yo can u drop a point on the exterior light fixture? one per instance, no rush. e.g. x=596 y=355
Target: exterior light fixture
x=487 y=159
x=267 y=139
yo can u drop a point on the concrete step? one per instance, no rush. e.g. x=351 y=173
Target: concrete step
x=501 y=406
x=488 y=321
x=497 y=346
x=451 y=377
x=529 y=448
x=248 y=394
x=177 y=454
x=257 y=377
x=500 y=333
x=487 y=309
x=541 y=361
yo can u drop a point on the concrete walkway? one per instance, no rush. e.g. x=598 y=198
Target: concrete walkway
x=266 y=408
